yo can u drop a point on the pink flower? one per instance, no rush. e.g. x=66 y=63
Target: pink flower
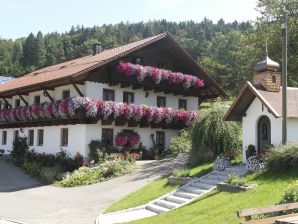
x=121 y=139
x=134 y=139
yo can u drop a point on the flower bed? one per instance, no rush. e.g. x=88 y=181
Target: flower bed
x=158 y=75
x=106 y=110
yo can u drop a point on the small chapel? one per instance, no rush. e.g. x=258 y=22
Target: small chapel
x=259 y=107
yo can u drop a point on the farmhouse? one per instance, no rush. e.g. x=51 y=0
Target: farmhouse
x=152 y=87
x=259 y=107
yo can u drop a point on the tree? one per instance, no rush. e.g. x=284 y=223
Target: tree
x=40 y=50
x=29 y=51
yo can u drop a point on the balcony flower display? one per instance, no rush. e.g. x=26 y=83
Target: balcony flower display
x=93 y=109
x=157 y=75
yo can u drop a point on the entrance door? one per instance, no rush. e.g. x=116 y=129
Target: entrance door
x=264 y=133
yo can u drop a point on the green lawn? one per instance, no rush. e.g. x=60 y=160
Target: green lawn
x=220 y=207
x=154 y=190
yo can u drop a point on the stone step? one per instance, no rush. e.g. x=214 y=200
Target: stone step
x=209 y=181
x=166 y=204
x=175 y=199
x=213 y=177
x=184 y=194
x=156 y=208
x=192 y=190
x=202 y=186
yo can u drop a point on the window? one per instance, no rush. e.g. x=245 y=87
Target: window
x=4 y=137
x=160 y=139
x=161 y=101
x=273 y=79
x=17 y=103
x=31 y=137
x=65 y=94
x=107 y=136
x=15 y=135
x=108 y=95
x=40 y=137
x=128 y=97
x=137 y=60
x=182 y=104
x=64 y=136
x=37 y=99
x=6 y=106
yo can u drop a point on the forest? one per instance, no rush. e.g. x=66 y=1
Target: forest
x=228 y=51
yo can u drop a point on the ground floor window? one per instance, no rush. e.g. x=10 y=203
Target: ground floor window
x=31 y=137
x=40 y=134
x=160 y=139
x=107 y=136
x=15 y=135
x=4 y=137
x=64 y=136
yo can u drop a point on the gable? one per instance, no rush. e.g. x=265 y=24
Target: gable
x=76 y=71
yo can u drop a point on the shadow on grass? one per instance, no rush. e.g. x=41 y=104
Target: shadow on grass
x=270 y=176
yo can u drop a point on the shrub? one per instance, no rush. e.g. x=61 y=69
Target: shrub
x=96 y=152
x=179 y=144
x=19 y=149
x=185 y=172
x=211 y=132
x=291 y=194
x=251 y=151
x=113 y=166
x=282 y=158
x=236 y=180
x=32 y=169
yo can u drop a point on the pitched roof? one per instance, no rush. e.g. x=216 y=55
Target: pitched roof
x=272 y=100
x=76 y=68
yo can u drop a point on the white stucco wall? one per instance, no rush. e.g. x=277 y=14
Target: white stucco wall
x=250 y=124
x=79 y=136
x=52 y=138
x=95 y=90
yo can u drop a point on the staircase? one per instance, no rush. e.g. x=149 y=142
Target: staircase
x=175 y=199
x=192 y=190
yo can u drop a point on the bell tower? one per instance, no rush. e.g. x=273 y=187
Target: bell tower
x=266 y=75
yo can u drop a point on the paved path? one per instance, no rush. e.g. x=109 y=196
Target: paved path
x=22 y=198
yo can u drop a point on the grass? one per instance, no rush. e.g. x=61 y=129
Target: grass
x=220 y=207
x=154 y=190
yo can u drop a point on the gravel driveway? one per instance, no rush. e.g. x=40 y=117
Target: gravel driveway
x=24 y=199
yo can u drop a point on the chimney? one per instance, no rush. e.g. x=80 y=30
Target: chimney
x=97 y=48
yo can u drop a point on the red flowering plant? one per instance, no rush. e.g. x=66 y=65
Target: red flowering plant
x=157 y=75
x=127 y=140
x=68 y=108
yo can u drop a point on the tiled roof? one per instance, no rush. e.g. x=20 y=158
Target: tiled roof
x=272 y=100
x=76 y=67
x=5 y=79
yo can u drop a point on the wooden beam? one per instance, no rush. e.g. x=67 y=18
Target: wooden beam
x=124 y=84
x=113 y=83
x=46 y=94
x=5 y=100
x=22 y=98
x=77 y=89
x=167 y=91
x=147 y=88
x=158 y=89
x=136 y=86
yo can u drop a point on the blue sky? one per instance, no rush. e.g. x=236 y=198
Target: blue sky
x=20 y=17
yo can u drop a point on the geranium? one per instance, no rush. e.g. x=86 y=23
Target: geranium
x=121 y=139
x=157 y=75
x=134 y=138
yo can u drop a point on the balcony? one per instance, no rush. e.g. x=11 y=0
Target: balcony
x=82 y=110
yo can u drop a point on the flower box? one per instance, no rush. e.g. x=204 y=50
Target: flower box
x=178 y=180
x=233 y=188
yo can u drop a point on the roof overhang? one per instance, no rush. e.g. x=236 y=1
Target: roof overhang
x=244 y=99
